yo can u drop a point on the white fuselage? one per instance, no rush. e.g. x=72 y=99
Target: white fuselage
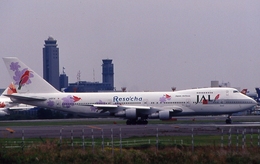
x=205 y=101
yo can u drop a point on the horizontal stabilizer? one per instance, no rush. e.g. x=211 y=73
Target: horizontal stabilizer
x=26 y=98
x=20 y=108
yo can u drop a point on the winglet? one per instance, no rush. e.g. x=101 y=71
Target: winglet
x=258 y=91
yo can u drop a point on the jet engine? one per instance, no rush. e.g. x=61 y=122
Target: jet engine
x=162 y=115
x=128 y=113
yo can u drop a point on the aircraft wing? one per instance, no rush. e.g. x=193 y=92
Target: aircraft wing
x=112 y=108
x=25 y=98
x=139 y=109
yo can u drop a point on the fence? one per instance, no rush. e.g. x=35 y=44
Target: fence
x=116 y=138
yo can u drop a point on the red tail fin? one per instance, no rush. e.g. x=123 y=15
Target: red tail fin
x=244 y=91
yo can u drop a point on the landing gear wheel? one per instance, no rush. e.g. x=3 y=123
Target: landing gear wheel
x=138 y=122
x=130 y=122
x=142 y=122
x=229 y=120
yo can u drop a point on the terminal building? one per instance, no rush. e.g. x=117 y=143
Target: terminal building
x=64 y=80
x=106 y=85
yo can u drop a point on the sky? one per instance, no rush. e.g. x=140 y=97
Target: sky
x=155 y=45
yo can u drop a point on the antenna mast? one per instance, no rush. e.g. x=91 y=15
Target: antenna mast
x=63 y=70
x=93 y=75
x=78 y=77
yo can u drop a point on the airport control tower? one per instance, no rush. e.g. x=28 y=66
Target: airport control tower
x=51 y=62
x=108 y=72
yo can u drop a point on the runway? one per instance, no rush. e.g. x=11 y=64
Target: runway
x=183 y=127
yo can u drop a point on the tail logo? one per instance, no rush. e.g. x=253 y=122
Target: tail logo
x=11 y=89
x=24 y=78
x=244 y=91
x=21 y=77
x=2 y=105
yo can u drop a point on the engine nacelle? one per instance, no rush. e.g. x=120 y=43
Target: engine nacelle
x=162 y=115
x=3 y=113
x=128 y=113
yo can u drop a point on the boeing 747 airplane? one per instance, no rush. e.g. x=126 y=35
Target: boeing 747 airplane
x=136 y=107
x=6 y=104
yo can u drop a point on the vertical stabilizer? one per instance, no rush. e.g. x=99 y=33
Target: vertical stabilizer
x=9 y=90
x=244 y=91
x=25 y=79
x=258 y=93
x=5 y=92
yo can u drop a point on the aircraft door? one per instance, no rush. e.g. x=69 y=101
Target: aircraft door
x=227 y=93
x=58 y=103
x=222 y=102
x=145 y=102
x=188 y=102
x=109 y=101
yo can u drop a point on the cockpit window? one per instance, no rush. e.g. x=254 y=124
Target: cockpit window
x=235 y=91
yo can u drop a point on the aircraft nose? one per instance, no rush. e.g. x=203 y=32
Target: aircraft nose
x=253 y=102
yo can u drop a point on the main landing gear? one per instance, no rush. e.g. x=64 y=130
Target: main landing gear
x=229 y=120
x=136 y=122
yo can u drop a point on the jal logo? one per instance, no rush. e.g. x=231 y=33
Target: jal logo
x=205 y=100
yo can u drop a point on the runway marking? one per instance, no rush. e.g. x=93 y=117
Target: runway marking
x=94 y=127
x=10 y=130
x=175 y=126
